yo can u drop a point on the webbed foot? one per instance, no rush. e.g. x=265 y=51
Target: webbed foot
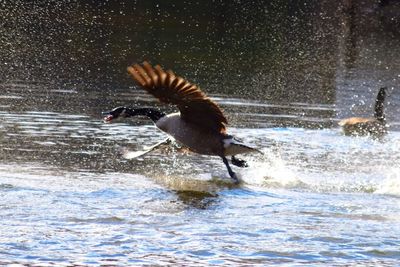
x=239 y=162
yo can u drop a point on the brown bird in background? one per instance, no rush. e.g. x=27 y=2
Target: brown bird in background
x=375 y=127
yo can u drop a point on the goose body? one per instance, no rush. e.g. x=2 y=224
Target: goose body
x=356 y=126
x=200 y=125
x=375 y=126
x=198 y=141
x=190 y=136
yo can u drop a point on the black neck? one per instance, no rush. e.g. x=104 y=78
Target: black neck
x=152 y=113
x=379 y=114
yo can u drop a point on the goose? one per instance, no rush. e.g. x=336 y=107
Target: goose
x=375 y=127
x=199 y=126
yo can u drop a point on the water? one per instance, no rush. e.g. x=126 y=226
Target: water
x=315 y=197
x=284 y=73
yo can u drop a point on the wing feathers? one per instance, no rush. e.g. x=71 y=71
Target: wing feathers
x=136 y=76
x=152 y=74
x=194 y=105
x=161 y=75
x=180 y=83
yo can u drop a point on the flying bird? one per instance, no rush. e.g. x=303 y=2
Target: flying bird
x=375 y=126
x=200 y=124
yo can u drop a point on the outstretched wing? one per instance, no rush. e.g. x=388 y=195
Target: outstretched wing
x=194 y=105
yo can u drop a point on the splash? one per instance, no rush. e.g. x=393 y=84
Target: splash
x=270 y=170
x=391 y=184
x=274 y=170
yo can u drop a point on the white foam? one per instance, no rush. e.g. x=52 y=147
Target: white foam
x=391 y=184
x=270 y=170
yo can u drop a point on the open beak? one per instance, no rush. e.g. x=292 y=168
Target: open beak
x=107 y=117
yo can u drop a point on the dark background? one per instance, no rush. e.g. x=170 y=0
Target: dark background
x=314 y=51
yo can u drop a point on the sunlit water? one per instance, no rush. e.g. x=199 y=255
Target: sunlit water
x=67 y=197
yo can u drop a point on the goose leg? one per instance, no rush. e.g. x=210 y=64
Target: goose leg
x=239 y=162
x=231 y=173
x=134 y=154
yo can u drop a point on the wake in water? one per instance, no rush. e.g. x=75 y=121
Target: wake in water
x=326 y=161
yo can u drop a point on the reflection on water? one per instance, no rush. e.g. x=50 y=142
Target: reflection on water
x=284 y=73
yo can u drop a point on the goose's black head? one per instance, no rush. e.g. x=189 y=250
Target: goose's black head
x=124 y=112
x=118 y=112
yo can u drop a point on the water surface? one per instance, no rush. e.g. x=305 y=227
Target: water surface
x=315 y=197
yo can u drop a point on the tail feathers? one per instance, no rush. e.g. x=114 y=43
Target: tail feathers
x=379 y=104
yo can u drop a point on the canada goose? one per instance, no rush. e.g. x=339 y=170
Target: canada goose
x=375 y=127
x=200 y=125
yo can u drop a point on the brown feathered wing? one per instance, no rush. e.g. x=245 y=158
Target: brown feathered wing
x=195 y=107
